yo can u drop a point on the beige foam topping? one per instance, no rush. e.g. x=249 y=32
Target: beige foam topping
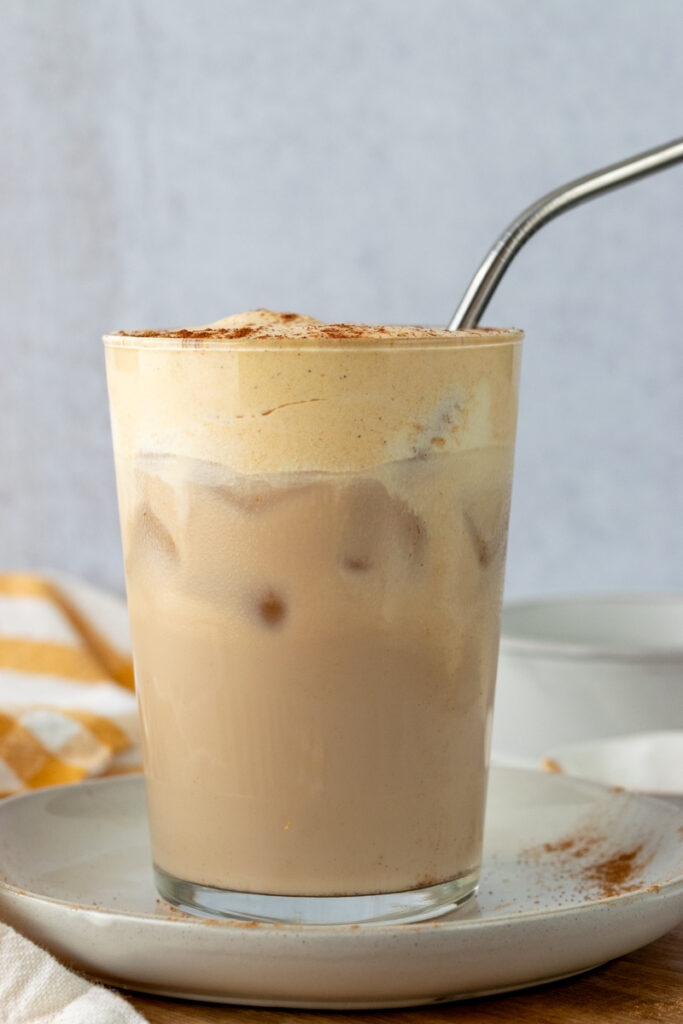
x=299 y=406
x=265 y=325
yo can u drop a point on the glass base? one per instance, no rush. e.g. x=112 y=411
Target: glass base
x=383 y=908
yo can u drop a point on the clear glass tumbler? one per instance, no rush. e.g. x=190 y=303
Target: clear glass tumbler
x=314 y=534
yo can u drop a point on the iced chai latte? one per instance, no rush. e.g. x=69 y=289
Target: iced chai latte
x=314 y=524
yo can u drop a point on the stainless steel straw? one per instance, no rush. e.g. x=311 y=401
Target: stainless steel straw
x=485 y=281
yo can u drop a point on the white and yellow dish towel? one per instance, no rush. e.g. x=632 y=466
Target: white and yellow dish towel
x=67 y=712
x=67 y=707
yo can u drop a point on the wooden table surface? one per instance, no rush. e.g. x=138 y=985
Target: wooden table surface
x=644 y=986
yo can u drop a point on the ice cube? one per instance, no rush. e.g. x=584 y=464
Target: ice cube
x=150 y=542
x=272 y=608
x=486 y=522
x=378 y=530
x=249 y=495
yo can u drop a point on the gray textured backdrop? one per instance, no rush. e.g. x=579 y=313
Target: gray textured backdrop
x=167 y=162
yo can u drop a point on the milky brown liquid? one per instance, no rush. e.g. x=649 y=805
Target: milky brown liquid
x=315 y=629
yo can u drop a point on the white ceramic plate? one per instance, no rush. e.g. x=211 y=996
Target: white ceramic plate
x=77 y=879
x=645 y=762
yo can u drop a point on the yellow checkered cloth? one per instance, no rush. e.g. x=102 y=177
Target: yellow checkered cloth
x=67 y=707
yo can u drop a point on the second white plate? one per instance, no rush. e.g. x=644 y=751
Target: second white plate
x=574 y=875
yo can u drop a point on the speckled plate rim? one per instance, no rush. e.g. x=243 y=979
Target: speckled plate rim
x=672 y=886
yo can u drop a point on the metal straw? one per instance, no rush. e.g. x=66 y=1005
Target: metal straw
x=486 y=279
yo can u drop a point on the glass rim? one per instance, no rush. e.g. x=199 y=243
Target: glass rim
x=467 y=338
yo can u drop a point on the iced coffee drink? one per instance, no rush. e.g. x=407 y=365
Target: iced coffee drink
x=314 y=523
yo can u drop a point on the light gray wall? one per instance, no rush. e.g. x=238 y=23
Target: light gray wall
x=166 y=162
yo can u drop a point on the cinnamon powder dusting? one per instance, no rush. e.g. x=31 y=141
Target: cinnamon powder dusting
x=559 y=847
x=581 y=857
x=267 y=325
x=613 y=874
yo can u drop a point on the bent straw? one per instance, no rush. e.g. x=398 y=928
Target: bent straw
x=506 y=247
